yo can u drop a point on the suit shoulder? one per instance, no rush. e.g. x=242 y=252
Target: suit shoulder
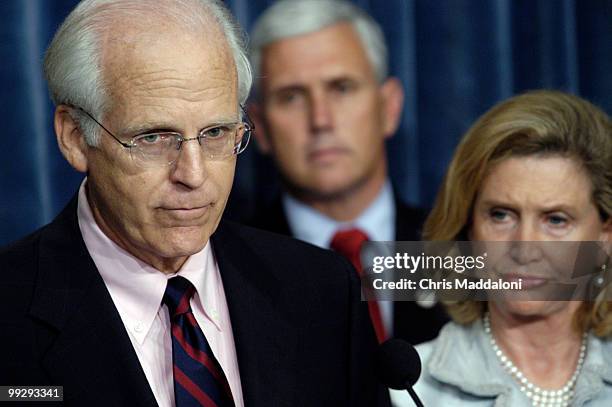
x=270 y=216
x=284 y=250
x=264 y=239
x=18 y=271
x=18 y=259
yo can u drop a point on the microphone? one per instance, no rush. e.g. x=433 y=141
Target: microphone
x=399 y=366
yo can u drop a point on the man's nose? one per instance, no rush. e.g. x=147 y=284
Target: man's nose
x=189 y=168
x=321 y=113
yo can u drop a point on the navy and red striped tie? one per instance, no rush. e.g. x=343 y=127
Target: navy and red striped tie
x=198 y=377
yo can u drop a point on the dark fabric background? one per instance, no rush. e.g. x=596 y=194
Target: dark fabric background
x=455 y=58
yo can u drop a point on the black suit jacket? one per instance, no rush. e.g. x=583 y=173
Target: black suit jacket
x=302 y=337
x=411 y=322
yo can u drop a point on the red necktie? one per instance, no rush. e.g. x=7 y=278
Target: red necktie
x=348 y=243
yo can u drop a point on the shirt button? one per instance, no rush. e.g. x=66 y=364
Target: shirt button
x=215 y=315
x=138 y=327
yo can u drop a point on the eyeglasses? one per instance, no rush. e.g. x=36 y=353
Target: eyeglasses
x=163 y=148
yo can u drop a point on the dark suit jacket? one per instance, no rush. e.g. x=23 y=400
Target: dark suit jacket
x=302 y=336
x=411 y=322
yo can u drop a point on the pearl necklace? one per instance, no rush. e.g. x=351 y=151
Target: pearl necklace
x=538 y=396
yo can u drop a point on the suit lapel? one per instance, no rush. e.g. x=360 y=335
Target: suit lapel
x=90 y=354
x=265 y=341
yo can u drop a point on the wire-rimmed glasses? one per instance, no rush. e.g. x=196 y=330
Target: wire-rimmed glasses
x=162 y=148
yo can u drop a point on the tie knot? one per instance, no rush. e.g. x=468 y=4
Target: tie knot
x=348 y=243
x=178 y=293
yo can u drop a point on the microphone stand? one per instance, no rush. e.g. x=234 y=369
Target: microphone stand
x=414 y=396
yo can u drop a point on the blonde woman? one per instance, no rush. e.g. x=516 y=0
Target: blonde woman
x=537 y=167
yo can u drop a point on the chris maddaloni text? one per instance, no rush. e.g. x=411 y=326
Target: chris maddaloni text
x=455 y=284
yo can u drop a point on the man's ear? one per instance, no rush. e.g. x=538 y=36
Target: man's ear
x=392 y=94
x=70 y=138
x=255 y=111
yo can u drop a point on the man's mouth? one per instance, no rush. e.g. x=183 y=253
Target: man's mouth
x=327 y=154
x=186 y=213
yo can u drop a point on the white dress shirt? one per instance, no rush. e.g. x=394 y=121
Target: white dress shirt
x=137 y=290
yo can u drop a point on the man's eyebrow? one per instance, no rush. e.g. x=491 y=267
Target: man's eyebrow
x=297 y=86
x=166 y=127
x=148 y=128
x=224 y=120
x=289 y=87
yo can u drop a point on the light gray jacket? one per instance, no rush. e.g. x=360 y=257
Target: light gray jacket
x=460 y=369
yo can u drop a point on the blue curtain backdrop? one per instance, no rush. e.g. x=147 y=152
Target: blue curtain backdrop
x=455 y=58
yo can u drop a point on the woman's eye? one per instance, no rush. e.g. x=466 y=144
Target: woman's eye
x=557 y=220
x=498 y=215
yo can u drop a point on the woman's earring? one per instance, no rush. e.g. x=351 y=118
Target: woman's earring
x=599 y=280
x=597 y=283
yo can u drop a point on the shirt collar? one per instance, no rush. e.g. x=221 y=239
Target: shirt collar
x=310 y=225
x=202 y=271
x=136 y=287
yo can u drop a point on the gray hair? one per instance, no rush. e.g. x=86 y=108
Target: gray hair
x=289 y=18
x=73 y=66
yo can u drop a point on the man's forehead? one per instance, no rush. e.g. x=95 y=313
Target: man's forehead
x=156 y=34
x=155 y=73
x=172 y=50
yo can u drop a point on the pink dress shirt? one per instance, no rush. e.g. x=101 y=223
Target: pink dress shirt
x=137 y=290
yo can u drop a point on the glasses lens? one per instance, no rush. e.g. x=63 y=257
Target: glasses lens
x=160 y=149
x=226 y=141
x=217 y=142
x=156 y=148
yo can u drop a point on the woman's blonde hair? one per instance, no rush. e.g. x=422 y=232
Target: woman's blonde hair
x=538 y=122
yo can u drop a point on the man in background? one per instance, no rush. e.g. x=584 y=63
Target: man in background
x=324 y=107
x=138 y=294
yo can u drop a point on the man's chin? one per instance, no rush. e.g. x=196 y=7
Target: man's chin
x=185 y=246
x=331 y=190
x=181 y=242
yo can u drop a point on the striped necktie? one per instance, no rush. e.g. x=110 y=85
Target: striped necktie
x=198 y=377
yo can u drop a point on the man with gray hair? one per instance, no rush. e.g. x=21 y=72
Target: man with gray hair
x=138 y=294
x=324 y=107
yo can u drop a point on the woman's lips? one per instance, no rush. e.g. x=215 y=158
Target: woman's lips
x=527 y=280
